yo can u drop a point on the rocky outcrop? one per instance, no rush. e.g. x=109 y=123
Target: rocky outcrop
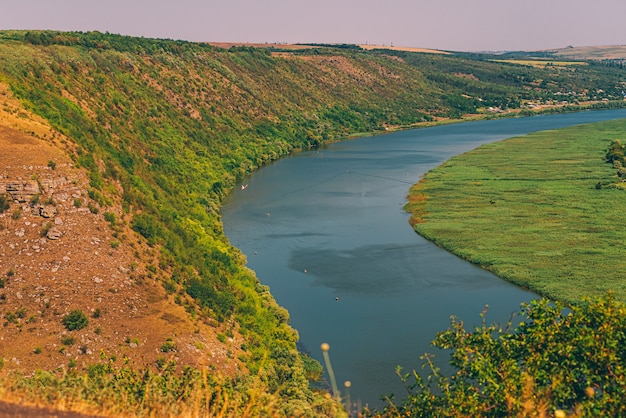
x=47 y=211
x=54 y=233
x=20 y=190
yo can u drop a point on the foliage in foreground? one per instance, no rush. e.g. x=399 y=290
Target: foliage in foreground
x=555 y=359
x=124 y=392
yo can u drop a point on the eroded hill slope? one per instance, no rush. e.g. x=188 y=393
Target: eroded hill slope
x=59 y=254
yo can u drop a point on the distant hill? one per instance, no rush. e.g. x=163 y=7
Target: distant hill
x=285 y=46
x=614 y=52
x=579 y=53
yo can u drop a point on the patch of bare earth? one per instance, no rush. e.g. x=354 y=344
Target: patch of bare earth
x=57 y=255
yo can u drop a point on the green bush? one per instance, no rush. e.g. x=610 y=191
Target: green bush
x=110 y=218
x=168 y=346
x=569 y=359
x=5 y=203
x=75 y=320
x=67 y=340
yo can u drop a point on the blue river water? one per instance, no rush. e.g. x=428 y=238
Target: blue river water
x=326 y=230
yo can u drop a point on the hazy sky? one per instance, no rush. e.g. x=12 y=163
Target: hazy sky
x=462 y=25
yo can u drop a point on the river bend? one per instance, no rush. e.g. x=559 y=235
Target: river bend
x=326 y=230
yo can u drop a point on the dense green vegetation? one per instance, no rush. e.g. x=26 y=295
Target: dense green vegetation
x=177 y=124
x=615 y=156
x=478 y=82
x=541 y=211
x=550 y=361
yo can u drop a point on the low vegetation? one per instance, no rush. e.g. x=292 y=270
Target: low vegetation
x=106 y=390
x=75 y=320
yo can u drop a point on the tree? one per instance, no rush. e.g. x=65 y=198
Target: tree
x=556 y=359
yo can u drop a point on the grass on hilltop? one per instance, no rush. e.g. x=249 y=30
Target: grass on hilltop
x=541 y=211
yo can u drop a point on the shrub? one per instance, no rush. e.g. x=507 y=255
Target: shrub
x=93 y=208
x=146 y=225
x=4 y=203
x=67 y=340
x=46 y=228
x=21 y=312
x=75 y=320
x=168 y=345
x=10 y=317
x=110 y=218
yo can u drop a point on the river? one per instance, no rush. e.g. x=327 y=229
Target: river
x=326 y=230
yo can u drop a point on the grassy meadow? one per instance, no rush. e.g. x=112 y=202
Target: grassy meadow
x=541 y=211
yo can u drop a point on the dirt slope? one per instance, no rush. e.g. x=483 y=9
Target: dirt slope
x=58 y=254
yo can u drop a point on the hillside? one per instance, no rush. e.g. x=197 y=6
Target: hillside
x=59 y=254
x=607 y=52
x=124 y=148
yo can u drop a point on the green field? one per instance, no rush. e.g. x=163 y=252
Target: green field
x=529 y=210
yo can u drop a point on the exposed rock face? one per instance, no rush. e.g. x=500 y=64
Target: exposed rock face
x=54 y=233
x=20 y=190
x=47 y=211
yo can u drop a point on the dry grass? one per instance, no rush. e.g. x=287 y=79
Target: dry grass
x=404 y=48
x=206 y=397
x=543 y=63
x=613 y=52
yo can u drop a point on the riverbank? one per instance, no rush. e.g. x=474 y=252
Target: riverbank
x=510 y=113
x=528 y=210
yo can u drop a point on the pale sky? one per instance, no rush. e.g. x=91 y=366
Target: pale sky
x=460 y=25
